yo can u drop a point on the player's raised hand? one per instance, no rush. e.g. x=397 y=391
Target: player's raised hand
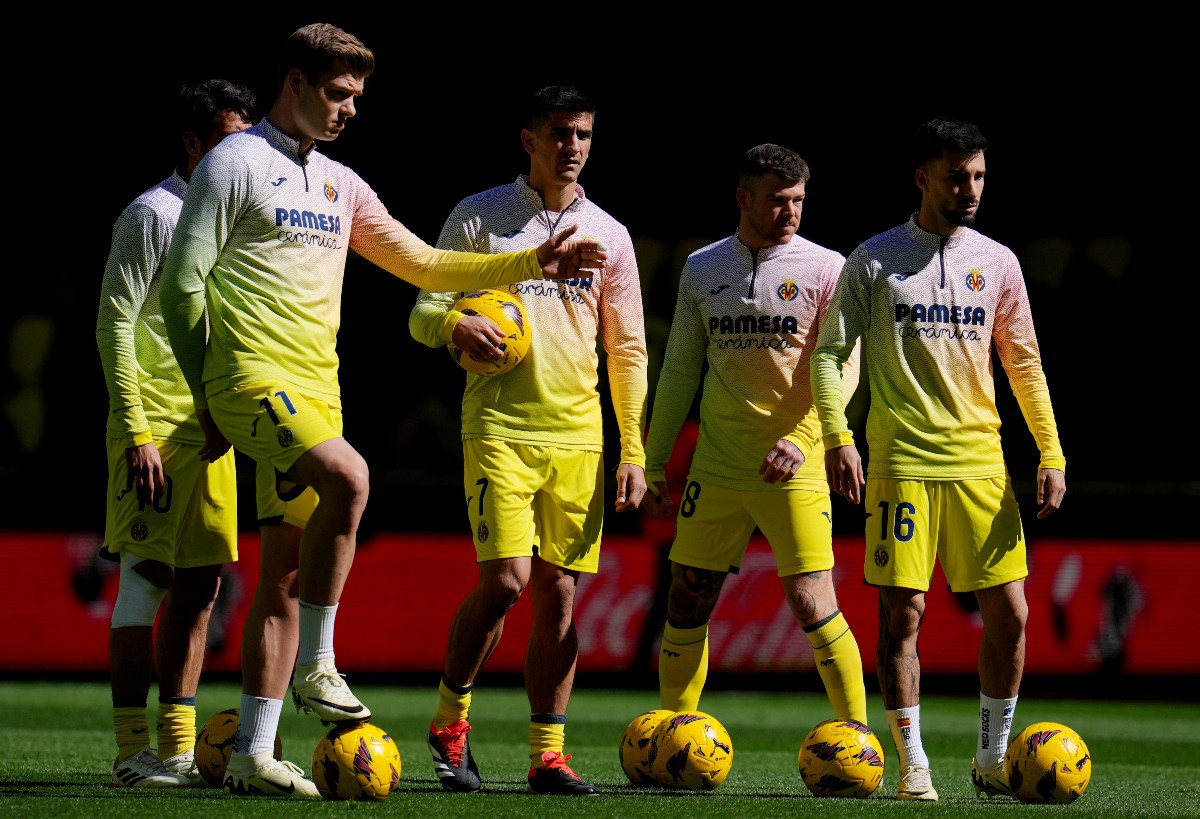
x=563 y=258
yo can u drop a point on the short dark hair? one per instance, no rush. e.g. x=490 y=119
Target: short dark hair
x=942 y=134
x=555 y=99
x=771 y=158
x=318 y=48
x=201 y=104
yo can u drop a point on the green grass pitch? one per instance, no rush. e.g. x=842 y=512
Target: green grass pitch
x=56 y=752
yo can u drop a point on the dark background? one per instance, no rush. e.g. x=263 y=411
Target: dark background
x=1087 y=167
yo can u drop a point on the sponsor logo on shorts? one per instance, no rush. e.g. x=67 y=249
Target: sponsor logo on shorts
x=881 y=556
x=285 y=437
x=139 y=531
x=481 y=532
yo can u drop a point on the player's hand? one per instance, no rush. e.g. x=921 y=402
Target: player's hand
x=658 y=500
x=1051 y=487
x=631 y=486
x=563 y=259
x=215 y=444
x=843 y=470
x=144 y=472
x=781 y=462
x=479 y=336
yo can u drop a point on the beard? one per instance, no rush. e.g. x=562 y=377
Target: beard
x=958 y=218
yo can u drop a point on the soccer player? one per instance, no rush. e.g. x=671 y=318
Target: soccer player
x=261 y=243
x=171 y=517
x=930 y=300
x=533 y=437
x=749 y=307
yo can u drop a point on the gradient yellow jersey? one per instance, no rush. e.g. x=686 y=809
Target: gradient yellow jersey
x=262 y=240
x=148 y=398
x=931 y=311
x=552 y=396
x=753 y=318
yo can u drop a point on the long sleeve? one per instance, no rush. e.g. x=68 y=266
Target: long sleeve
x=623 y=333
x=678 y=381
x=138 y=240
x=148 y=396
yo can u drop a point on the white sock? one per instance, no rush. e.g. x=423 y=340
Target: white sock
x=995 y=723
x=905 y=724
x=316 y=633
x=258 y=723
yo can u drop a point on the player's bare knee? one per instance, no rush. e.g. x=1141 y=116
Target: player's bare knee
x=803 y=605
x=810 y=596
x=197 y=588
x=686 y=608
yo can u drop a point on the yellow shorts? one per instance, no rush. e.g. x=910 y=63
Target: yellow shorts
x=280 y=501
x=193 y=523
x=715 y=523
x=523 y=498
x=275 y=424
x=972 y=527
x=272 y=422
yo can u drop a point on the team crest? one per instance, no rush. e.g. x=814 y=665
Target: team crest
x=787 y=290
x=482 y=533
x=975 y=280
x=330 y=191
x=285 y=437
x=881 y=557
x=139 y=531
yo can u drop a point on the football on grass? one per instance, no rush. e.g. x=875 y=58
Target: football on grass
x=1048 y=763
x=692 y=751
x=214 y=745
x=358 y=762
x=841 y=758
x=637 y=746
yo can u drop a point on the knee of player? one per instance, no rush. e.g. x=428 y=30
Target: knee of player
x=138 y=598
x=1007 y=624
x=350 y=481
x=686 y=609
x=499 y=592
x=901 y=611
x=196 y=588
x=810 y=596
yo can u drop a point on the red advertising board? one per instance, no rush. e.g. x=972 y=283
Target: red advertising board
x=1095 y=606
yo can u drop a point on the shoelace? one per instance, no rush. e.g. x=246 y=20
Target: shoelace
x=152 y=763
x=291 y=766
x=332 y=676
x=560 y=762
x=454 y=747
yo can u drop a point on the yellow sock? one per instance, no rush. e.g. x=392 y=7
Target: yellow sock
x=547 y=732
x=176 y=726
x=840 y=666
x=454 y=703
x=132 y=730
x=682 y=667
